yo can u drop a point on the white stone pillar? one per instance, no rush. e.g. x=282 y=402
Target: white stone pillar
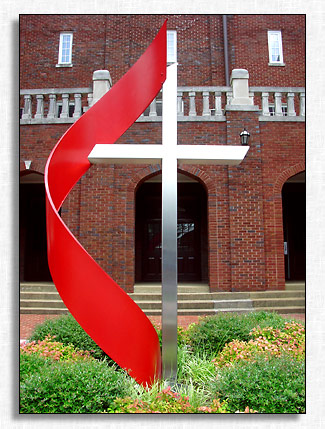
x=192 y=111
x=77 y=106
x=52 y=107
x=291 y=104
x=278 y=103
x=65 y=106
x=206 y=110
x=102 y=83
x=153 y=108
x=302 y=104
x=265 y=104
x=180 y=110
x=217 y=101
x=240 y=91
x=27 y=112
x=40 y=106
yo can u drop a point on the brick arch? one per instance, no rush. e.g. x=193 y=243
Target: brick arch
x=36 y=167
x=146 y=173
x=286 y=174
x=275 y=273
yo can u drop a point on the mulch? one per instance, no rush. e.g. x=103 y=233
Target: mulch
x=29 y=321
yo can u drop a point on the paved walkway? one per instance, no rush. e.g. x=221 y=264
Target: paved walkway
x=29 y=321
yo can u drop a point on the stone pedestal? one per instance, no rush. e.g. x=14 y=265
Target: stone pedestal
x=102 y=83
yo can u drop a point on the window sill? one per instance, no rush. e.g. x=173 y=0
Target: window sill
x=277 y=64
x=63 y=65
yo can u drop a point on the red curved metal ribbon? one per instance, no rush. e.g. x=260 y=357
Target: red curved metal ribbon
x=100 y=306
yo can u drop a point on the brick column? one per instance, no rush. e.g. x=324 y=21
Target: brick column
x=245 y=192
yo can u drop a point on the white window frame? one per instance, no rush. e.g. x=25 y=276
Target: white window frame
x=171 y=46
x=68 y=62
x=278 y=61
x=284 y=108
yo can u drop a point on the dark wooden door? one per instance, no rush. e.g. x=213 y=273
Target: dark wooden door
x=32 y=225
x=190 y=243
x=294 y=228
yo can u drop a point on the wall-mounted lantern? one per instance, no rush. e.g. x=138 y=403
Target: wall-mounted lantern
x=244 y=137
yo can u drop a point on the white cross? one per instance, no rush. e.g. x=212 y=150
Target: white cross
x=168 y=153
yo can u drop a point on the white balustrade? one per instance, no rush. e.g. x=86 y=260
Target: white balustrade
x=194 y=103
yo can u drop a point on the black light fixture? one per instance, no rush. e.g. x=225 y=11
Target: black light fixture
x=244 y=137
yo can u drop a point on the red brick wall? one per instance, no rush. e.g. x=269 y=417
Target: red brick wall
x=248 y=48
x=115 y=42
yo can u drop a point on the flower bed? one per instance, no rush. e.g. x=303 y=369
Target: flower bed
x=226 y=364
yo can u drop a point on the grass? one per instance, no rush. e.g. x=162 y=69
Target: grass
x=91 y=382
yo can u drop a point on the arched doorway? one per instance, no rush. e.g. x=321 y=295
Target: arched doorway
x=192 y=241
x=294 y=227
x=32 y=229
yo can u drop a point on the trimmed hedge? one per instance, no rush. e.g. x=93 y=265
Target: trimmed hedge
x=67 y=330
x=275 y=385
x=212 y=333
x=64 y=387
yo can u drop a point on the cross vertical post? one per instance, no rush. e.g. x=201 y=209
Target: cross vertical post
x=169 y=226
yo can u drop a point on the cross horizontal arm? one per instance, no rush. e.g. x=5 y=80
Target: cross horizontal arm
x=154 y=153
x=126 y=154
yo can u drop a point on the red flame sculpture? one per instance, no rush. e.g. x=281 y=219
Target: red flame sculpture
x=99 y=305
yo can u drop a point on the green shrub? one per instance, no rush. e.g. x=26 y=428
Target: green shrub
x=67 y=330
x=30 y=364
x=182 y=337
x=67 y=387
x=55 y=350
x=267 y=341
x=267 y=385
x=211 y=333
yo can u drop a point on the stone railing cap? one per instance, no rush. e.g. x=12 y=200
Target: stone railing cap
x=239 y=74
x=101 y=75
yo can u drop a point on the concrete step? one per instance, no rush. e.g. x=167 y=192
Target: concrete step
x=233 y=304
x=144 y=288
x=295 y=285
x=283 y=310
x=43 y=310
x=37 y=287
x=270 y=302
x=193 y=299
x=39 y=295
x=39 y=303
x=276 y=294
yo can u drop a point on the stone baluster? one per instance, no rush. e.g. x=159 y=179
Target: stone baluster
x=206 y=109
x=278 y=104
x=153 y=108
x=77 y=106
x=89 y=101
x=265 y=104
x=302 y=111
x=65 y=106
x=192 y=111
x=27 y=112
x=39 y=106
x=180 y=110
x=52 y=107
x=229 y=97
x=217 y=100
x=291 y=104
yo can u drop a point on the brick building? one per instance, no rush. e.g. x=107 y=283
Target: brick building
x=240 y=228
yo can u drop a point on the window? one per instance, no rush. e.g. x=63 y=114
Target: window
x=171 y=47
x=275 y=47
x=70 y=108
x=65 y=50
x=284 y=109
